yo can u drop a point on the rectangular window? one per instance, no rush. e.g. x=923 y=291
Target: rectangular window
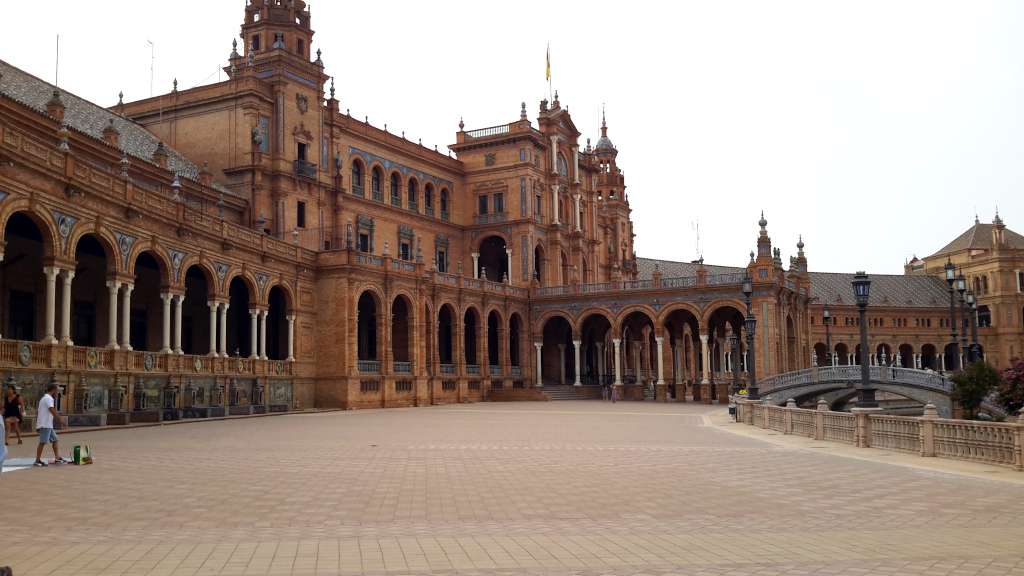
x=364 y=242
x=300 y=215
x=762 y=273
x=405 y=252
x=483 y=205
x=499 y=203
x=442 y=260
x=522 y=154
x=536 y=205
x=300 y=47
x=302 y=152
x=522 y=197
x=255 y=44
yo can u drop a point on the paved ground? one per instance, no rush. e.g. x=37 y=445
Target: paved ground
x=555 y=488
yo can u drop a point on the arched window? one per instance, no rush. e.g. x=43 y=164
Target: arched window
x=394 y=186
x=984 y=284
x=413 y=191
x=428 y=196
x=357 y=174
x=563 y=166
x=375 y=180
x=444 y=201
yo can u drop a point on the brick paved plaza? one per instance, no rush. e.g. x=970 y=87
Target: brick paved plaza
x=554 y=488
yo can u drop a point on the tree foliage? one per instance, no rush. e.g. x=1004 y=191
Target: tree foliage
x=972 y=386
x=1010 y=392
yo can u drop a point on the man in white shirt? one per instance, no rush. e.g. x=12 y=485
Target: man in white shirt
x=44 y=424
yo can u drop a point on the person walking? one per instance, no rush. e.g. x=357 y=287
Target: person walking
x=44 y=423
x=614 y=394
x=14 y=410
x=604 y=393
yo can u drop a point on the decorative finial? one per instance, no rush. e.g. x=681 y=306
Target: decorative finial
x=751 y=255
x=175 y=85
x=262 y=221
x=800 y=244
x=234 y=71
x=295 y=236
x=176 y=189
x=762 y=222
x=120 y=97
x=250 y=58
x=332 y=87
x=220 y=207
x=522 y=113
x=64 y=133
x=124 y=164
x=234 y=48
x=462 y=125
x=319 y=61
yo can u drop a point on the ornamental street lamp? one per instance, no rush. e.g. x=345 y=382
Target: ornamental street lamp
x=751 y=325
x=826 y=316
x=972 y=303
x=961 y=287
x=950 y=270
x=861 y=291
x=734 y=341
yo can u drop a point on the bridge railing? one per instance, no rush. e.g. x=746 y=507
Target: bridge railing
x=909 y=376
x=993 y=443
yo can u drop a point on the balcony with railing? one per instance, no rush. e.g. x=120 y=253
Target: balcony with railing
x=369 y=366
x=447 y=369
x=403 y=367
x=494 y=370
x=377 y=196
x=428 y=210
x=396 y=201
x=303 y=168
x=486 y=132
x=445 y=216
x=414 y=206
x=517 y=370
x=358 y=191
x=473 y=369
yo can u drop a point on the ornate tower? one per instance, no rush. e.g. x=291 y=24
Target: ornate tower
x=275 y=28
x=611 y=188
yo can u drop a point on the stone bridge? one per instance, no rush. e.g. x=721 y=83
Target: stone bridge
x=837 y=384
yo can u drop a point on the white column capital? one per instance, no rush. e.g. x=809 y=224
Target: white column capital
x=127 y=287
x=659 y=339
x=167 y=297
x=253 y=313
x=264 y=313
x=224 y=306
x=213 y=304
x=508 y=251
x=577 y=343
x=290 y=317
x=538 y=345
x=114 y=286
x=51 y=273
x=68 y=275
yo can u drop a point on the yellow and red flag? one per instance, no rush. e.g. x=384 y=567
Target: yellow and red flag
x=548 y=77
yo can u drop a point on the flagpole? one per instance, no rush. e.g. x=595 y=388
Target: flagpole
x=549 y=73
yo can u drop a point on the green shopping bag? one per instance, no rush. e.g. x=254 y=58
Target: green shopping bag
x=81 y=455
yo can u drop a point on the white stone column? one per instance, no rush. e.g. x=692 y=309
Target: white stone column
x=508 y=254
x=1016 y=274
x=576 y=164
x=476 y=265
x=538 y=346
x=677 y=364
x=637 y=359
x=213 y=327
x=704 y=358
x=178 y=300
x=126 y=317
x=561 y=361
x=616 y=342
x=554 y=154
x=51 y=302
x=113 y=286
x=576 y=345
x=65 y=316
x=166 y=297
x=576 y=212
x=555 y=212
x=661 y=359
x=253 y=333
x=721 y=356
x=600 y=360
x=224 y=329
x=291 y=337
x=263 y=335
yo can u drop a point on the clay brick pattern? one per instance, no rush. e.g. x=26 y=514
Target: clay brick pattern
x=568 y=488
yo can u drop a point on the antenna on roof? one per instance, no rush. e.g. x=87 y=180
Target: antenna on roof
x=56 y=71
x=696 y=227
x=152 y=59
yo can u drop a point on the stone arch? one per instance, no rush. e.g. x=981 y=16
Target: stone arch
x=621 y=315
x=402 y=324
x=543 y=319
x=516 y=331
x=286 y=288
x=369 y=311
x=250 y=283
x=34 y=212
x=445 y=320
x=906 y=352
x=106 y=238
x=161 y=257
x=668 y=310
x=718 y=304
x=206 y=267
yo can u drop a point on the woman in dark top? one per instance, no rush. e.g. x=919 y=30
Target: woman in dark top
x=13 y=407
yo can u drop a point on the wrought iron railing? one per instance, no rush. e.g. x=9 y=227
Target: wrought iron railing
x=369 y=366
x=447 y=369
x=485 y=132
x=494 y=370
x=303 y=168
x=403 y=367
x=473 y=369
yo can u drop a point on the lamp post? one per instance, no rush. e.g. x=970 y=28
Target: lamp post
x=950 y=270
x=734 y=341
x=826 y=316
x=861 y=291
x=751 y=325
x=972 y=305
x=961 y=287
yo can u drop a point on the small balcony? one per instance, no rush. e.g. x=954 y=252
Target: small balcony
x=428 y=210
x=494 y=370
x=369 y=366
x=444 y=216
x=447 y=368
x=358 y=191
x=414 y=207
x=517 y=370
x=473 y=369
x=378 y=196
x=396 y=201
x=403 y=367
x=306 y=169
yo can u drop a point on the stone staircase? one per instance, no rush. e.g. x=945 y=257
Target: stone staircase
x=559 y=392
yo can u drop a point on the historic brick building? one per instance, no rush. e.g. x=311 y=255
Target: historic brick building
x=249 y=243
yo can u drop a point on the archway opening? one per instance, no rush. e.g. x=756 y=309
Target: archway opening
x=493 y=339
x=493 y=260
x=195 y=313
x=928 y=357
x=444 y=335
x=821 y=356
x=277 y=324
x=538 y=259
x=514 y=326
x=557 y=353
x=367 y=327
x=842 y=354
x=906 y=356
x=469 y=342
x=24 y=292
x=792 y=356
x=239 y=325
x=637 y=354
x=595 y=334
x=400 y=330
x=146 y=304
x=90 y=302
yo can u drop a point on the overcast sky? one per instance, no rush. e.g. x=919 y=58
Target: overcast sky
x=872 y=128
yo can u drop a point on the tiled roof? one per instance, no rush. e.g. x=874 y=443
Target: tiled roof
x=979 y=237
x=904 y=291
x=671 y=269
x=89 y=119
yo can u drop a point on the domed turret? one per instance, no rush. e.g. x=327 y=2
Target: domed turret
x=604 y=143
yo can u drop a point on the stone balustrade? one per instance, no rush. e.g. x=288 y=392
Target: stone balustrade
x=930 y=436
